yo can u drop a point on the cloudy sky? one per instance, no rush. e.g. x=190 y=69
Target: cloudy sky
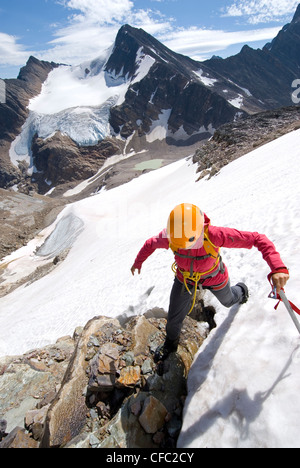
x=72 y=31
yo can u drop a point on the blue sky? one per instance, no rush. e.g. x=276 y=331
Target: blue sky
x=73 y=31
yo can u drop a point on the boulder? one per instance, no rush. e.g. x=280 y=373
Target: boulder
x=111 y=394
x=67 y=414
x=18 y=438
x=153 y=415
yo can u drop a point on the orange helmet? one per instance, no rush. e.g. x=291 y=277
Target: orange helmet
x=185 y=226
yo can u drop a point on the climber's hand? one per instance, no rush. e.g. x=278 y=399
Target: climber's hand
x=133 y=270
x=279 y=280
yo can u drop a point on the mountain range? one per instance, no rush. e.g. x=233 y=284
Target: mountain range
x=138 y=95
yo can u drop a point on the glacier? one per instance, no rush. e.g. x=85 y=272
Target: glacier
x=76 y=101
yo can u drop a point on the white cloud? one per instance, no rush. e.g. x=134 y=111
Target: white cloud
x=262 y=11
x=12 y=53
x=74 y=45
x=100 y=11
x=93 y=27
x=118 y=12
x=199 y=43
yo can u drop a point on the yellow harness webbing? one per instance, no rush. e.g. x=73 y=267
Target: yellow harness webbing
x=213 y=251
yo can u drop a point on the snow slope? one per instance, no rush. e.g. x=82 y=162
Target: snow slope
x=243 y=385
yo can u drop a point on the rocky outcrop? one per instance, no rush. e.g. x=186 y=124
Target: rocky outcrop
x=28 y=385
x=22 y=217
x=101 y=388
x=59 y=160
x=232 y=141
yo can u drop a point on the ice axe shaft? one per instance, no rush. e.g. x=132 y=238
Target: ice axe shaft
x=289 y=309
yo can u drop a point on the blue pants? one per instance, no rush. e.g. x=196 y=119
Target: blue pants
x=180 y=304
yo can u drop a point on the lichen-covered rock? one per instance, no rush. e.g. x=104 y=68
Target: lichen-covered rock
x=111 y=394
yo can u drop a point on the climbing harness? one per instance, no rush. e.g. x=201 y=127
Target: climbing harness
x=212 y=251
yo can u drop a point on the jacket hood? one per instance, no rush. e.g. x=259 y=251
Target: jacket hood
x=206 y=220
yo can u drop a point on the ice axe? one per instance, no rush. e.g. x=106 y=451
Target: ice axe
x=291 y=308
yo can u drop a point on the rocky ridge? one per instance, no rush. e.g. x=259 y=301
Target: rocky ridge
x=101 y=388
x=268 y=73
x=14 y=112
x=233 y=140
x=22 y=217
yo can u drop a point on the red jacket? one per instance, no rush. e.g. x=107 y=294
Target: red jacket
x=220 y=237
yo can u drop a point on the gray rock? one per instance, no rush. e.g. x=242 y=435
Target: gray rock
x=101 y=401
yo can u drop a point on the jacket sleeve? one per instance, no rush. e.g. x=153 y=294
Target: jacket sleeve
x=232 y=238
x=156 y=242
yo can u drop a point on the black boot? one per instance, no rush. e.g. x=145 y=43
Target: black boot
x=245 y=293
x=163 y=351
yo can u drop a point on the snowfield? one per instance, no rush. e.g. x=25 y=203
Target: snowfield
x=243 y=387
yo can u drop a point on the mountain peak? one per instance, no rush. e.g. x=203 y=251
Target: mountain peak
x=296 y=18
x=286 y=45
x=35 y=70
x=130 y=40
x=124 y=54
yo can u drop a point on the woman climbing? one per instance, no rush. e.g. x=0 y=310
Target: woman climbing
x=196 y=246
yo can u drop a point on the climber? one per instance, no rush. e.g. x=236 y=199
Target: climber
x=196 y=246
